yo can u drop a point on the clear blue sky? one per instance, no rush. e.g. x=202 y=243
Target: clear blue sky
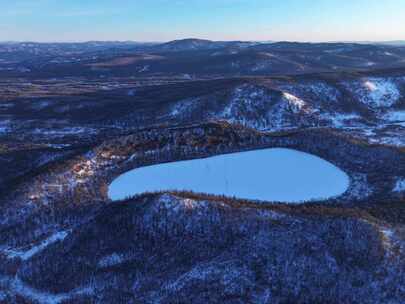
x=162 y=20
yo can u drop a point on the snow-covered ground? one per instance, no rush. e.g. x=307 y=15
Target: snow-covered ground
x=296 y=104
x=65 y=131
x=309 y=104
x=316 y=91
x=16 y=286
x=396 y=117
x=183 y=107
x=399 y=185
x=375 y=92
x=261 y=109
x=392 y=140
x=111 y=260
x=341 y=120
x=26 y=254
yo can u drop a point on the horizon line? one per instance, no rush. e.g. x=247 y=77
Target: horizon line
x=203 y=39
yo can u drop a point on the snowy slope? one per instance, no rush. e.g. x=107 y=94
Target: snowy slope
x=375 y=92
x=371 y=108
x=264 y=109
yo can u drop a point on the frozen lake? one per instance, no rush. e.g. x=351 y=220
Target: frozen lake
x=269 y=175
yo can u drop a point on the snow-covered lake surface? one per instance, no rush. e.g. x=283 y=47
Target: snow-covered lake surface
x=269 y=175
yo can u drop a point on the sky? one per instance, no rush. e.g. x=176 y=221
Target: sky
x=164 y=20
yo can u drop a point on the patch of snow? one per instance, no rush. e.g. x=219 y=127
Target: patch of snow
x=58 y=146
x=27 y=254
x=183 y=107
x=110 y=260
x=399 y=185
x=235 y=65
x=249 y=106
x=359 y=187
x=296 y=103
x=313 y=91
x=174 y=204
x=375 y=92
x=227 y=274
x=260 y=66
x=145 y=68
x=271 y=215
x=370 y=85
x=63 y=131
x=18 y=287
x=387 y=236
x=187 y=76
x=397 y=117
x=368 y=132
x=340 y=120
x=388 y=233
x=393 y=140
x=23 y=289
x=262 y=109
x=370 y=63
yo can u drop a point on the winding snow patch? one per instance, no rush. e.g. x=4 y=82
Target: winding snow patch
x=16 y=286
x=63 y=131
x=27 y=254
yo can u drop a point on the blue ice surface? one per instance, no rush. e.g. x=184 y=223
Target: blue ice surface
x=275 y=175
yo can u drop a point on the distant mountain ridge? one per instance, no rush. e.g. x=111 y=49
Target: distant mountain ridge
x=200 y=44
x=191 y=58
